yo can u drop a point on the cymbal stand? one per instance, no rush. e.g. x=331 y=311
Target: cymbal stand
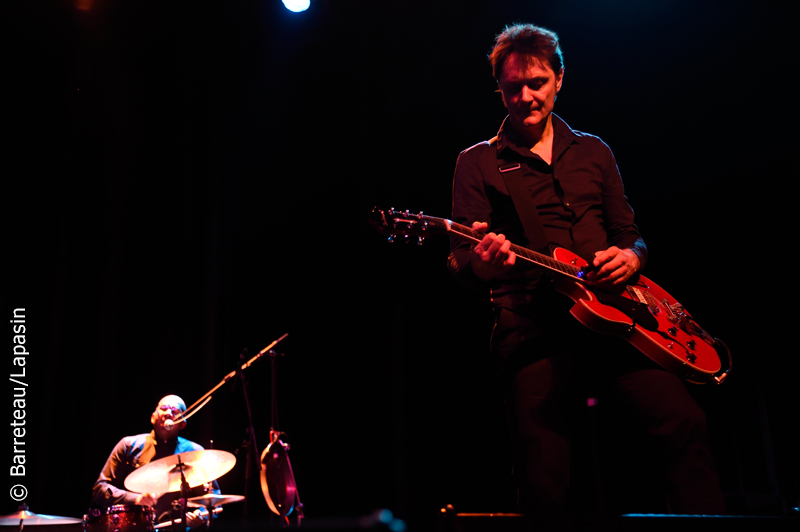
x=23 y=508
x=182 y=500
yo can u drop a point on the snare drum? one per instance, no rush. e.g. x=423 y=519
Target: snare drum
x=120 y=518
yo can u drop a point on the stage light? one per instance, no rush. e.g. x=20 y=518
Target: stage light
x=297 y=5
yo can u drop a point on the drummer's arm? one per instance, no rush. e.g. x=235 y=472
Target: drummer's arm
x=104 y=492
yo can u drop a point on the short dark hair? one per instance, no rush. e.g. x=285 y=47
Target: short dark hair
x=527 y=40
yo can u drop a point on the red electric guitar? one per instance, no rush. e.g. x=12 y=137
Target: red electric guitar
x=642 y=313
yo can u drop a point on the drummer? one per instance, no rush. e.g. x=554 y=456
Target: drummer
x=133 y=452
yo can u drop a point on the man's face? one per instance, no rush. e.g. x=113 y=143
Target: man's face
x=169 y=408
x=529 y=87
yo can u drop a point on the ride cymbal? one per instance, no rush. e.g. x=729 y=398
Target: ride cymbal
x=164 y=475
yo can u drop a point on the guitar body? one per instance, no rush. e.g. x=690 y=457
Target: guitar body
x=671 y=340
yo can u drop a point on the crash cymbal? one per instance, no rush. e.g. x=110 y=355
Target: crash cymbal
x=31 y=519
x=212 y=500
x=164 y=476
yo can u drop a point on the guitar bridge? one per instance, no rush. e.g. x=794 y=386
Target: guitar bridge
x=644 y=297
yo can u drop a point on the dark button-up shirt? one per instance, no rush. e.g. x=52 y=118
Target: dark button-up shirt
x=579 y=199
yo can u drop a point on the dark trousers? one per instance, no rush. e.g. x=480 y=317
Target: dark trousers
x=645 y=415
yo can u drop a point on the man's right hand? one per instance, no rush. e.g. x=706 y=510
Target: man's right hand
x=494 y=254
x=146 y=499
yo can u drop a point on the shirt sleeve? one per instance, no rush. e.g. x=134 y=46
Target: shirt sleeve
x=470 y=204
x=105 y=491
x=620 y=227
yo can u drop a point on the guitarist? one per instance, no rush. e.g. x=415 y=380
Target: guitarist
x=549 y=363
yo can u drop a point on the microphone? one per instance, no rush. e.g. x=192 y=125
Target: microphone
x=170 y=423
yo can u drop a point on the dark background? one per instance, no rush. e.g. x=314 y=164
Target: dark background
x=188 y=179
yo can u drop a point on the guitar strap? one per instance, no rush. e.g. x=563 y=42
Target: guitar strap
x=523 y=203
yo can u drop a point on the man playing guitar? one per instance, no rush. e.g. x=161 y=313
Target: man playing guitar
x=546 y=359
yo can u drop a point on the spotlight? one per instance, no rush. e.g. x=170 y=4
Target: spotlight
x=297 y=5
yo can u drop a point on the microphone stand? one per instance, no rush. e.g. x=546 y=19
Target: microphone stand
x=194 y=408
x=277 y=478
x=207 y=396
x=252 y=446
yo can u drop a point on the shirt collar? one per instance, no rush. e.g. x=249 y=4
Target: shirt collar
x=155 y=441
x=563 y=137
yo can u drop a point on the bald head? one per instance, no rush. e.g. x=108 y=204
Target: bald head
x=169 y=408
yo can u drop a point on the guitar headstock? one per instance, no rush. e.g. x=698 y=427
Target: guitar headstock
x=407 y=224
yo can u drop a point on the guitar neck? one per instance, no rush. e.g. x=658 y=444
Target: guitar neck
x=540 y=259
x=409 y=224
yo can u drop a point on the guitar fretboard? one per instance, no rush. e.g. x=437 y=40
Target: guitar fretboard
x=535 y=257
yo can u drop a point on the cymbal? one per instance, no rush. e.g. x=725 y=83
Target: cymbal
x=213 y=500
x=32 y=519
x=164 y=476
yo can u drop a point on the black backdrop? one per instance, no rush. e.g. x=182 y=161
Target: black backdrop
x=185 y=180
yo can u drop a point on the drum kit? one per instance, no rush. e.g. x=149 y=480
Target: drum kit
x=175 y=473
x=165 y=475
x=179 y=473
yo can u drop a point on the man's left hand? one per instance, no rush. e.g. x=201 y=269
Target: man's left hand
x=195 y=519
x=614 y=266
